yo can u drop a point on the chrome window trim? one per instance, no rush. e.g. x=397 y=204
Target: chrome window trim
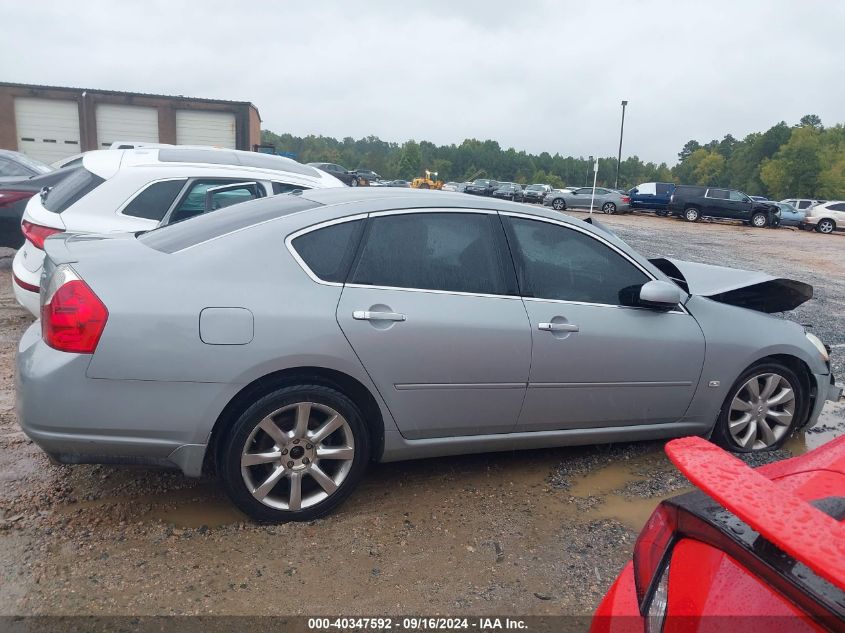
x=681 y=308
x=434 y=291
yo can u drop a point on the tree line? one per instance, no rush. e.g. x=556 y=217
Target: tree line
x=805 y=160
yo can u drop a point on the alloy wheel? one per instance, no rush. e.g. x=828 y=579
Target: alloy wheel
x=759 y=220
x=825 y=226
x=761 y=411
x=297 y=456
x=558 y=204
x=691 y=214
x=609 y=208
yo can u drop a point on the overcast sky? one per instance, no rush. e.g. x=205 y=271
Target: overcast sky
x=539 y=76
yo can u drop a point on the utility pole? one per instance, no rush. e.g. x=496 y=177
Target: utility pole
x=587 y=177
x=619 y=156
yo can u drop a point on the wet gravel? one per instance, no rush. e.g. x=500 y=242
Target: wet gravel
x=534 y=532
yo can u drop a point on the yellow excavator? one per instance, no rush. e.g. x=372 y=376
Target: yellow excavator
x=429 y=182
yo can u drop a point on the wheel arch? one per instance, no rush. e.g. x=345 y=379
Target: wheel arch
x=332 y=378
x=805 y=375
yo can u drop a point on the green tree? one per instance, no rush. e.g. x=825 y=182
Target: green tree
x=409 y=161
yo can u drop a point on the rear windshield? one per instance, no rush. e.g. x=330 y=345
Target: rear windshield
x=73 y=187
x=199 y=229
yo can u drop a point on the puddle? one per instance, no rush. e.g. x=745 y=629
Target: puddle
x=831 y=424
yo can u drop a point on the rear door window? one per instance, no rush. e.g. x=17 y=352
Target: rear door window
x=284 y=187
x=721 y=194
x=840 y=206
x=154 y=201
x=71 y=189
x=803 y=204
x=452 y=252
x=192 y=202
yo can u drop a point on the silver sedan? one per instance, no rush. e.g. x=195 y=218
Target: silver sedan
x=289 y=341
x=608 y=200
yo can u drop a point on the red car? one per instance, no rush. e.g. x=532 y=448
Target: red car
x=763 y=551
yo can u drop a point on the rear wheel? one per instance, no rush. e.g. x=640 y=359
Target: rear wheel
x=294 y=455
x=692 y=214
x=423 y=185
x=759 y=220
x=826 y=225
x=558 y=204
x=609 y=208
x=763 y=407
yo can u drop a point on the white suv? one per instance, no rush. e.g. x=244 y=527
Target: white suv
x=115 y=191
x=827 y=216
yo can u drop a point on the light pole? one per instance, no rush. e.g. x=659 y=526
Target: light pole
x=619 y=156
x=587 y=177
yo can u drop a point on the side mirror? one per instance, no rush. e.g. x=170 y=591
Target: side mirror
x=659 y=295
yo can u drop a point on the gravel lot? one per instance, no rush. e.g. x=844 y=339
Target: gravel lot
x=535 y=532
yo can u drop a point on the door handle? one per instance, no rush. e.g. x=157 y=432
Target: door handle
x=558 y=327
x=366 y=315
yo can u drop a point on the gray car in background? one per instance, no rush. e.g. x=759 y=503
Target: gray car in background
x=288 y=341
x=606 y=200
x=15 y=167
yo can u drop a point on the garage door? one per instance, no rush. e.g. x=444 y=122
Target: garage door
x=48 y=129
x=126 y=123
x=205 y=128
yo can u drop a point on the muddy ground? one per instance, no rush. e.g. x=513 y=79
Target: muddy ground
x=535 y=532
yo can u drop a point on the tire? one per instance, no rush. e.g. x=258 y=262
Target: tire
x=354 y=182
x=691 y=214
x=608 y=208
x=826 y=226
x=759 y=220
x=739 y=427
x=559 y=204
x=291 y=453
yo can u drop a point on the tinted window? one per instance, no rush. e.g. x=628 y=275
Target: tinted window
x=328 y=251
x=283 y=187
x=73 y=187
x=557 y=262
x=663 y=188
x=690 y=192
x=154 y=201
x=803 y=204
x=722 y=194
x=457 y=252
x=840 y=206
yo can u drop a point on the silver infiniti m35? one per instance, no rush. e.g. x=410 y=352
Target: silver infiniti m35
x=287 y=342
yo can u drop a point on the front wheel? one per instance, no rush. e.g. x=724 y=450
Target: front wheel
x=759 y=220
x=609 y=208
x=558 y=204
x=294 y=455
x=692 y=214
x=762 y=409
x=826 y=225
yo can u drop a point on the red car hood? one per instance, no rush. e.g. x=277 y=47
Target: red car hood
x=773 y=499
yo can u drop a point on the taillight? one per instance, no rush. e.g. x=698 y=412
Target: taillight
x=626 y=199
x=36 y=233
x=9 y=197
x=72 y=316
x=652 y=546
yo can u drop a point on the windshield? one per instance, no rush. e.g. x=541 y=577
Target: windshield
x=483 y=183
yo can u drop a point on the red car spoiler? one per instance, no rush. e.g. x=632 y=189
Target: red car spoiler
x=802 y=531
